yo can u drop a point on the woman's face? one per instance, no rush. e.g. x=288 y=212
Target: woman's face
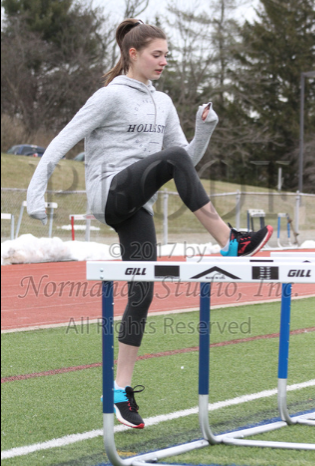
x=148 y=63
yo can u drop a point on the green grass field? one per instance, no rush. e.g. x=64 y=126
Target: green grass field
x=17 y=171
x=50 y=407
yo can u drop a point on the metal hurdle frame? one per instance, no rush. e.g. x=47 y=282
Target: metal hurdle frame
x=87 y=218
x=280 y=216
x=255 y=213
x=284 y=270
x=48 y=205
x=9 y=217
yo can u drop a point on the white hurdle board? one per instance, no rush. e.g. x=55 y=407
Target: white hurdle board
x=283 y=270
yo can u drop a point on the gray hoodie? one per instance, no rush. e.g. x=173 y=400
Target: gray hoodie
x=121 y=123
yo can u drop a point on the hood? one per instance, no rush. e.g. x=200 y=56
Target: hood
x=125 y=81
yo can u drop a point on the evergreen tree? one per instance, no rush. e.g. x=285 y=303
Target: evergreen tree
x=47 y=17
x=275 y=50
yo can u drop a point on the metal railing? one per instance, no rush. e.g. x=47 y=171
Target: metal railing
x=173 y=220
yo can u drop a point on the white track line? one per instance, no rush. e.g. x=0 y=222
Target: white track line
x=69 y=439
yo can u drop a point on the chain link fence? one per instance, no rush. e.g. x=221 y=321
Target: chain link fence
x=174 y=222
x=69 y=202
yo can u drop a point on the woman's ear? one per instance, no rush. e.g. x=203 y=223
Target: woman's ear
x=133 y=53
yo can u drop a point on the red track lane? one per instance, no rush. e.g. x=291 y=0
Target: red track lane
x=53 y=293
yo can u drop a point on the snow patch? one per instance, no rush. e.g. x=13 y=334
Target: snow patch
x=309 y=244
x=29 y=249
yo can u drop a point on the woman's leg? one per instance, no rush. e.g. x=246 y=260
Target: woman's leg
x=213 y=223
x=138 y=243
x=127 y=356
x=135 y=185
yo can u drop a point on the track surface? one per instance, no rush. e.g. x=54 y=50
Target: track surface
x=35 y=295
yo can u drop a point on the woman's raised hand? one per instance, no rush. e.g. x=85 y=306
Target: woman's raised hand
x=205 y=112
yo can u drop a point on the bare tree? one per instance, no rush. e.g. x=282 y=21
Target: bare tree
x=44 y=83
x=203 y=41
x=134 y=8
x=189 y=63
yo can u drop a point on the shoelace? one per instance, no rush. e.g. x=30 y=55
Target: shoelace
x=131 y=399
x=239 y=235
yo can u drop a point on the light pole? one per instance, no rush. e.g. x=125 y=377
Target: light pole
x=309 y=74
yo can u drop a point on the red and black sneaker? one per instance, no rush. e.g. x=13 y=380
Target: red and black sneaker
x=247 y=243
x=126 y=408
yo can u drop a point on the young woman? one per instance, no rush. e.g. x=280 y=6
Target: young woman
x=134 y=144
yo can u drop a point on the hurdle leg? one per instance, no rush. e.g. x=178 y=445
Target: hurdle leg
x=235 y=438
x=87 y=229
x=284 y=352
x=19 y=221
x=72 y=228
x=51 y=219
x=12 y=227
x=108 y=373
x=284 y=359
x=278 y=232
x=289 y=231
x=204 y=363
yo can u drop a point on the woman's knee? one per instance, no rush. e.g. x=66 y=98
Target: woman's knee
x=178 y=156
x=177 y=151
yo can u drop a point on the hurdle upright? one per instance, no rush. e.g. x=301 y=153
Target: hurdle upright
x=281 y=270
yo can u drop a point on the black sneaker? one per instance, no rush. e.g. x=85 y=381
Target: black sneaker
x=247 y=243
x=126 y=408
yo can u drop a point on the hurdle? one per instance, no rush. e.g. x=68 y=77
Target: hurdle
x=255 y=213
x=87 y=218
x=10 y=217
x=280 y=216
x=285 y=270
x=48 y=205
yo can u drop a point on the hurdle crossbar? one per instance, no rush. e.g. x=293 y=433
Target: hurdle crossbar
x=284 y=270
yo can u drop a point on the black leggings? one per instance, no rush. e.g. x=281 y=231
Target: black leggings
x=129 y=191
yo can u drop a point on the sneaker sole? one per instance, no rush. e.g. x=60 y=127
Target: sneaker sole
x=126 y=423
x=262 y=244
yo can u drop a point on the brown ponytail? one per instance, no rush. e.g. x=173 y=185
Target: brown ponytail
x=131 y=33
